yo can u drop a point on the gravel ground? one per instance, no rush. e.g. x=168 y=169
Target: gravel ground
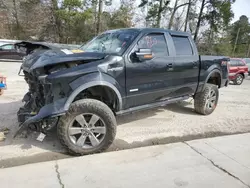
x=173 y=123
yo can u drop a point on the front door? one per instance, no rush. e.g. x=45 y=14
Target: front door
x=149 y=81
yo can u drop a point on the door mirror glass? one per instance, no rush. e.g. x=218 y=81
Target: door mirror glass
x=144 y=54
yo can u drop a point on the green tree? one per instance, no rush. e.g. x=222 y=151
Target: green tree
x=74 y=16
x=218 y=15
x=241 y=28
x=156 y=9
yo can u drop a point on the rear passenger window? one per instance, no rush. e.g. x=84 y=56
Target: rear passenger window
x=241 y=63
x=233 y=63
x=182 y=45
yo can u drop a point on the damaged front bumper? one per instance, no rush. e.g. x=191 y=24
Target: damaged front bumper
x=54 y=109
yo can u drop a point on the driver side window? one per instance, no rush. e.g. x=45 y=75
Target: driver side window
x=156 y=42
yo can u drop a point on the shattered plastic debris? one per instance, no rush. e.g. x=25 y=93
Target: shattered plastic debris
x=2 y=136
x=3 y=132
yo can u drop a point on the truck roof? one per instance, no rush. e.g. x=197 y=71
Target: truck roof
x=151 y=30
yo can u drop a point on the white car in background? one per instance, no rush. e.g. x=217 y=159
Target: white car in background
x=247 y=60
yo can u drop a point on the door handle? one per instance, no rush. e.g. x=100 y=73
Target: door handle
x=170 y=65
x=194 y=64
x=115 y=69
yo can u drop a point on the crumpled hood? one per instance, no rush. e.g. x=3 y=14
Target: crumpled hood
x=44 y=57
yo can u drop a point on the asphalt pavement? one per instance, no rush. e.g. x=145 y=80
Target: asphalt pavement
x=213 y=162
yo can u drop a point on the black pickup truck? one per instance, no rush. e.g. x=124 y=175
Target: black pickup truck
x=118 y=72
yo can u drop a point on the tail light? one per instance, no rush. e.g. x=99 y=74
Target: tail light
x=225 y=63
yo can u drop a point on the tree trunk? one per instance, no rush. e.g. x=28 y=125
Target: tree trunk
x=158 y=21
x=94 y=6
x=187 y=16
x=57 y=24
x=15 y=14
x=199 y=21
x=100 y=9
x=171 y=20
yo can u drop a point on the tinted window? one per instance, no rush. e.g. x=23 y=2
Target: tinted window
x=7 y=47
x=241 y=63
x=155 y=42
x=247 y=61
x=233 y=62
x=182 y=45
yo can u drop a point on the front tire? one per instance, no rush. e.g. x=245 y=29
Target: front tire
x=239 y=79
x=206 y=101
x=88 y=127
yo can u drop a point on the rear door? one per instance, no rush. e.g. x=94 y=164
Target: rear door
x=233 y=67
x=186 y=66
x=242 y=66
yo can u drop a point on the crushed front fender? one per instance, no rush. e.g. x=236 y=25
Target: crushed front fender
x=54 y=109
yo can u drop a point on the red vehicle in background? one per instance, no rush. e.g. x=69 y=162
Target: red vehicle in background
x=238 y=70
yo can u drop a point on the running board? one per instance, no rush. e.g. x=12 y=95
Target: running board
x=152 y=105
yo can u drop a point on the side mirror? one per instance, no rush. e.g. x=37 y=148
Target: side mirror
x=144 y=54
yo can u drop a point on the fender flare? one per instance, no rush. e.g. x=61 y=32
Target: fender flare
x=91 y=84
x=209 y=75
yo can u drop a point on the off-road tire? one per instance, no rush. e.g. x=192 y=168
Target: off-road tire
x=238 y=76
x=201 y=97
x=87 y=106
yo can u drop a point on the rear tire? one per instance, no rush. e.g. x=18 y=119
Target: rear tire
x=206 y=101
x=239 y=79
x=81 y=108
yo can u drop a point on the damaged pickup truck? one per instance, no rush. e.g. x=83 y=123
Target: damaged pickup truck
x=118 y=72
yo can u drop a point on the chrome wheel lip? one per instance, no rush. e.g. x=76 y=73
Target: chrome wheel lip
x=211 y=100
x=87 y=133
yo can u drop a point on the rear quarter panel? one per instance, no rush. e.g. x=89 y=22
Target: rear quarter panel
x=210 y=64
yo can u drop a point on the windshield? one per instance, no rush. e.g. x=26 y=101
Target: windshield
x=111 y=42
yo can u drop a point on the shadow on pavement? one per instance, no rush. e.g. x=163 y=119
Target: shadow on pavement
x=122 y=145
x=182 y=107
x=52 y=149
x=116 y=146
x=25 y=141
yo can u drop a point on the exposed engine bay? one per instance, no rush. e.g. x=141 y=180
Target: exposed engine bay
x=59 y=76
x=37 y=67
